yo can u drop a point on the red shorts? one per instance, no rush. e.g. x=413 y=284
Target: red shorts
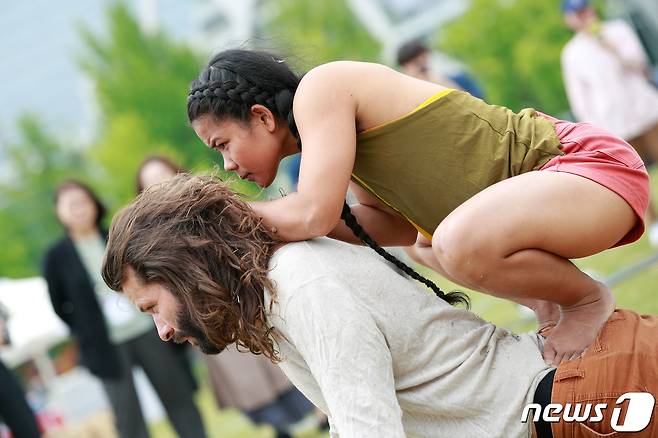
x=595 y=154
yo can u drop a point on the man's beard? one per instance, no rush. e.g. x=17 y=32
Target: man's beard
x=188 y=329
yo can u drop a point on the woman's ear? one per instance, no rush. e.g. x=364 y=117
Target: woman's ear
x=262 y=115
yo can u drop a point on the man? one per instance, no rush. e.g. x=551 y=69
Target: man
x=606 y=75
x=380 y=355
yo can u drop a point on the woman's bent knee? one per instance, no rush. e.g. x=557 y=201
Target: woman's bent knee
x=462 y=255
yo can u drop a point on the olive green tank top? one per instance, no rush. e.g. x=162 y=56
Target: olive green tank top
x=451 y=147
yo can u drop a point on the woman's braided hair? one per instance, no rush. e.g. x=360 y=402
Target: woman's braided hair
x=454 y=297
x=235 y=80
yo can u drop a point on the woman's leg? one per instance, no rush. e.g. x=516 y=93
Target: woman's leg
x=547 y=313
x=122 y=395
x=515 y=238
x=168 y=378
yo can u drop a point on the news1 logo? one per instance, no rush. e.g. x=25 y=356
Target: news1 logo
x=638 y=415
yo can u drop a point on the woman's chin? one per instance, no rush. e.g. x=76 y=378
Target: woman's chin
x=265 y=184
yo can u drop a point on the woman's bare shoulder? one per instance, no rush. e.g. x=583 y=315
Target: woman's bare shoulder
x=341 y=75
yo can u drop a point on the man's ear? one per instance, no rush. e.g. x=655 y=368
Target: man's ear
x=262 y=115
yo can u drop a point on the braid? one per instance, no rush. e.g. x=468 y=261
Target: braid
x=235 y=80
x=351 y=221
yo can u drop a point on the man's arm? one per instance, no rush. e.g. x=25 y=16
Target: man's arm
x=348 y=357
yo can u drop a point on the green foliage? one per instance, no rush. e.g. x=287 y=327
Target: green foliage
x=144 y=74
x=513 y=47
x=27 y=222
x=141 y=82
x=321 y=31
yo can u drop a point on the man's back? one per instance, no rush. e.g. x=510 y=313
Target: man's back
x=385 y=357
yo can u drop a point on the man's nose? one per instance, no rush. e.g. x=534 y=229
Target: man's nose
x=165 y=331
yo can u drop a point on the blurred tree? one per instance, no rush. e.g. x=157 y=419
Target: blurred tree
x=141 y=83
x=27 y=221
x=317 y=32
x=513 y=47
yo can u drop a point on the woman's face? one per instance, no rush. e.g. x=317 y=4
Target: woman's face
x=76 y=210
x=253 y=150
x=155 y=172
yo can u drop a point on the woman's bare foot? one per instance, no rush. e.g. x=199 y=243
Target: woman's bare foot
x=548 y=315
x=579 y=325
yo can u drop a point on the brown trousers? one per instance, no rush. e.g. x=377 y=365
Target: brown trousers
x=623 y=359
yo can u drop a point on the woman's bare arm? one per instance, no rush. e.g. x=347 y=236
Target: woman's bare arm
x=325 y=113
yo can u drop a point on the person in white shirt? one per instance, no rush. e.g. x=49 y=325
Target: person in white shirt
x=380 y=355
x=607 y=80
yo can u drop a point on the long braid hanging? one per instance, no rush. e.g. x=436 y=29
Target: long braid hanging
x=350 y=220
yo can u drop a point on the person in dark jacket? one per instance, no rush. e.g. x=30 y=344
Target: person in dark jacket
x=112 y=336
x=14 y=409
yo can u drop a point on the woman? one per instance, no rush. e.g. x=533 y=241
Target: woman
x=495 y=200
x=112 y=336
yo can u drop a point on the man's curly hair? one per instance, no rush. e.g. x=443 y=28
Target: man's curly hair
x=195 y=237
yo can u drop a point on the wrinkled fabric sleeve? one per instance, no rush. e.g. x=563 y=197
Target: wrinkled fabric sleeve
x=348 y=356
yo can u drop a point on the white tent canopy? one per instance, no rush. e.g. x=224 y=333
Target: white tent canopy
x=33 y=325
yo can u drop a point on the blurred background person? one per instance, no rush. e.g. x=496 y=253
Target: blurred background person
x=246 y=382
x=113 y=336
x=416 y=59
x=156 y=169
x=607 y=80
x=259 y=389
x=153 y=170
x=14 y=409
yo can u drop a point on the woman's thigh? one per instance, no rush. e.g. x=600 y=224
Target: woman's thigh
x=565 y=214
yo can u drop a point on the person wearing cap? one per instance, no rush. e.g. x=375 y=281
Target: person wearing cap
x=606 y=76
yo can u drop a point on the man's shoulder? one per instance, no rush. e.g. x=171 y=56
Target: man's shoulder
x=315 y=255
x=318 y=265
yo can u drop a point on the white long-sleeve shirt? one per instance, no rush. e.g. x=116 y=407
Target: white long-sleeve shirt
x=606 y=87
x=384 y=357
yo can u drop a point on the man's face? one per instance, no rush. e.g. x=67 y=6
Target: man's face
x=169 y=315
